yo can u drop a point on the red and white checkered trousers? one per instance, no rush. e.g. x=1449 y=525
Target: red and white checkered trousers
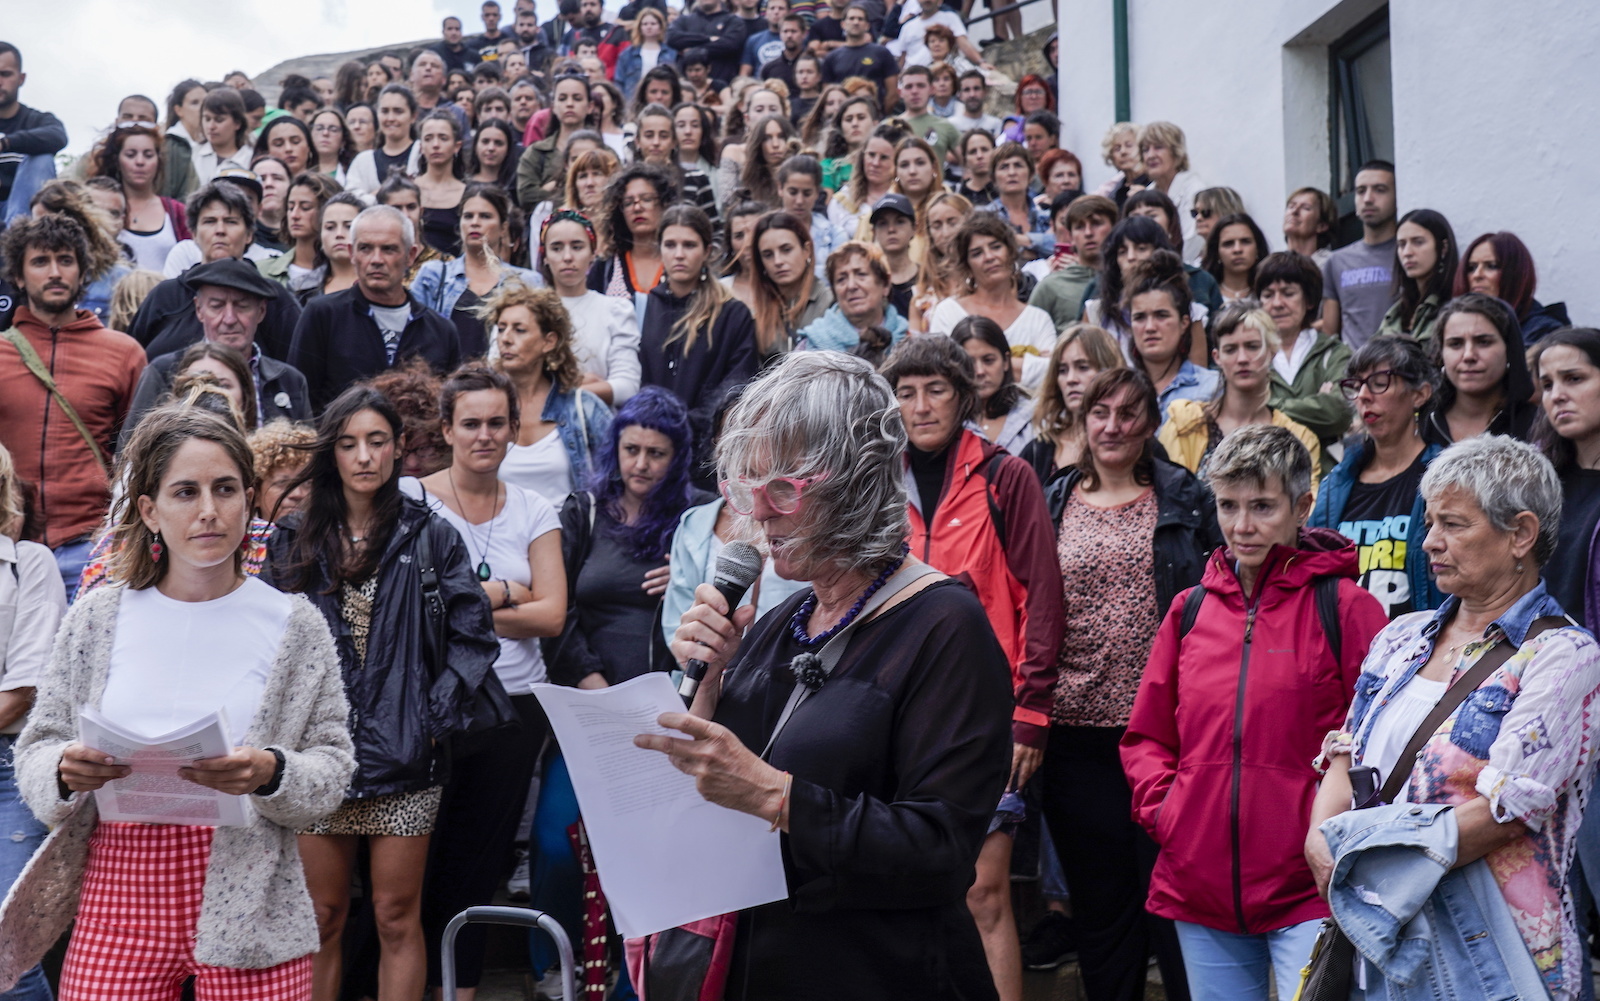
x=134 y=940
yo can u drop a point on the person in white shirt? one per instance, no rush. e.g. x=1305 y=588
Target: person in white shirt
x=915 y=19
x=605 y=328
x=972 y=90
x=1165 y=152
x=227 y=133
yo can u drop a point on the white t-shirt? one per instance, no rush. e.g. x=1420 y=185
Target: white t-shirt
x=391 y=321
x=965 y=124
x=911 y=42
x=173 y=661
x=150 y=250
x=186 y=254
x=1398 y=721
x=542 y=467
x=605 y=336
x=503 y=543
x=1033 y=328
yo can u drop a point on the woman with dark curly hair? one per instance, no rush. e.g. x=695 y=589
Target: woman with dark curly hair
x=630 y=215
x=413 y=390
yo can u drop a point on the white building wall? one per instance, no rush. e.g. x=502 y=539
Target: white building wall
x=1496 y=109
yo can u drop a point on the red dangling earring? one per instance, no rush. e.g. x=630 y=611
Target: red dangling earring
x=157 y=550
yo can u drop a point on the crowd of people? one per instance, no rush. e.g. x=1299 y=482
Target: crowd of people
x=1086 y=513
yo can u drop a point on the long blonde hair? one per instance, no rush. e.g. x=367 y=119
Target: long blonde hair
x=938 y=274
x=1052 y=420
x=11 y=508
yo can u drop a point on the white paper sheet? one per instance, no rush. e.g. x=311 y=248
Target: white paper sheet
x=665 y=856
x=154 y=793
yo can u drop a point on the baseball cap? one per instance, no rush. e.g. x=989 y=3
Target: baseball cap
x=892 y=202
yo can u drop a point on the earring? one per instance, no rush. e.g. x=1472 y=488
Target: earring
x=1519 y=566
x=157 y=550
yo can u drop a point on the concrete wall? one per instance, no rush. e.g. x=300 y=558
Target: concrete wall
x=1495 y=121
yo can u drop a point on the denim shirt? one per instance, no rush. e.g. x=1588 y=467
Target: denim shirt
x=583 y=421
x=1191 y=383
x=1424 y=930
x=1524 y=740
x=440 y=283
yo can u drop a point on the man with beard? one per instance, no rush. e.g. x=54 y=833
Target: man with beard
x=532 y=41
x=66 y=383
x=29 y=140
x=609 y=39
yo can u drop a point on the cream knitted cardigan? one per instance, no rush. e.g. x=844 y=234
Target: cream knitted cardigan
x=256 y=911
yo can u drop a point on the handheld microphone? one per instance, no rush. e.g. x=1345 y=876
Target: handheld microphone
x=737 y=568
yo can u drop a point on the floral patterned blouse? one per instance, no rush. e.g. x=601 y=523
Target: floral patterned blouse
x=1524 y=740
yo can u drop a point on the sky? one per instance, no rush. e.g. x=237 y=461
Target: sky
x=83 y=56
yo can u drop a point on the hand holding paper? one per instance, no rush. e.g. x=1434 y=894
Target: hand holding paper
x=666 y=856
x=725 y=772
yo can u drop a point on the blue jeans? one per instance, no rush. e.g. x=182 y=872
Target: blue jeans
x=31 y=175
x=20 y=836
x=71 y=557
x=1226 y=966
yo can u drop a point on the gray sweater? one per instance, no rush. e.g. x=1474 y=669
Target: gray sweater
x=256 y=911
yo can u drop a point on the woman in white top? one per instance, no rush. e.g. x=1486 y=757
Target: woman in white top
x=605 y=328
x=1166 y=160
x=514 y=536
x=396 y=146
x=986 y=254
x=145 y=655
x=32 y=602
x=152 y=224
x=227 y=134
x=553 y=450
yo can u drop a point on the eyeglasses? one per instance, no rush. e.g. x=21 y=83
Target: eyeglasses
x=640 y=201
x=1378 y=382
x=328 y=130
x=782 y=493
x=1201 y=213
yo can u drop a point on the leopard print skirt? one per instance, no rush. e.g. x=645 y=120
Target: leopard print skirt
x=401 y=814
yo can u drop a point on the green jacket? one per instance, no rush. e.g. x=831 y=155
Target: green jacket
x=1060 y=293
x=540 y=164
x=1422 y=321
x=1314 y=398
x=178 y=179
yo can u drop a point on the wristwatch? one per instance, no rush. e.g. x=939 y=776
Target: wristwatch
x=277 y=776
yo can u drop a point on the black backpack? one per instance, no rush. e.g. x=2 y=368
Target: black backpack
x=1327 y=610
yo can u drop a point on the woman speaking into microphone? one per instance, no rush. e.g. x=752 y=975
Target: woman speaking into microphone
x=867 y=717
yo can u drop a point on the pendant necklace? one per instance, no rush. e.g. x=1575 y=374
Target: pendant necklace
x=484 y=571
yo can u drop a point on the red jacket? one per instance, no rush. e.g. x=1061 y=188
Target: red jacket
x=1018 y=583
x=96 y=370
x=1224 y=729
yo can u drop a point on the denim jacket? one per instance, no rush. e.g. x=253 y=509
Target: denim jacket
x=1424 y=930
x=440 y=283
x=583 y=421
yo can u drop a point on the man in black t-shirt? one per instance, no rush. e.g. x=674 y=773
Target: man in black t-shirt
x=792 y=32
x=454 y=52
x=487 y=45
x=826 y=32
x=860 y=56
x=29 y=140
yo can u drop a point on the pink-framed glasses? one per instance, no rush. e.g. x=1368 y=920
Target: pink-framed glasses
x=783 y=493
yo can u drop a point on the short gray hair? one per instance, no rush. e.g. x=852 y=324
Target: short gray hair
x=372 y=213
x=1506 y=477
x=825 y=413
x=1262 y=453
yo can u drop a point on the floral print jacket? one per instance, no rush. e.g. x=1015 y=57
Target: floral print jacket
x=1524 y=740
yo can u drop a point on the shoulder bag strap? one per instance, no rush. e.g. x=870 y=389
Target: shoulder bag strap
x=1453 y=697
x=834 y=648
x=35 y=365
x=432 y=597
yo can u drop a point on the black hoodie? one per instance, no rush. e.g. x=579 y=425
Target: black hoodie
x=1516 y=415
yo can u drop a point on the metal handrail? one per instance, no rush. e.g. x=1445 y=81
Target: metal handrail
x=1008 y=8
x=521 y=916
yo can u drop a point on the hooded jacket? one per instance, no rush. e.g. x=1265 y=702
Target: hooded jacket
x=1515 y=417
x=1012 y=570
x=1543 y=319
x=98 y=371
x=1219 y=780
x=402 y=705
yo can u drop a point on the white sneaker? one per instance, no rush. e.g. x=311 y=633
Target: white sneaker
x=517 y=887
x=550 y=986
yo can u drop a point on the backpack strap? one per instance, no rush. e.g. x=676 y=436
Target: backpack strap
x=35 y=364
x=991 y=469
x=1328 y=611
x=1191 y=609
x=432 y=596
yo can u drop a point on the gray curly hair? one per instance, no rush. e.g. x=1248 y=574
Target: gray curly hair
x=828 y=414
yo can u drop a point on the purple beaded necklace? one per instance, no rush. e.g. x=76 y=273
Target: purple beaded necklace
x=807 y=665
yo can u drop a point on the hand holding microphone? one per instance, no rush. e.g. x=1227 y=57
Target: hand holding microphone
x=737 y=569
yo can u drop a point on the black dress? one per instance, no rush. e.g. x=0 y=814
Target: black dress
x=898 y=761
x=441 y=230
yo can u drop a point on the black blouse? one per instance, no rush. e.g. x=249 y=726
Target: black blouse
x=898 y=761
